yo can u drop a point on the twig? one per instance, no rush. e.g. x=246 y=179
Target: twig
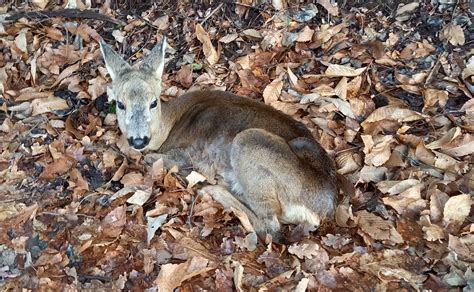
x=194 y=199
x=67 y=13
x=212 y=13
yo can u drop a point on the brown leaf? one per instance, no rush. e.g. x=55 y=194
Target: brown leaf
x=54 y=33
x=208 y=49
x=132 y=178
x=328 y=5
x=424 y=154
x=393 y=187
x=96 y=87
x=447 y=137
x=438 y=200
x=108 y=158
x=341 y=88
x=23 y=215
x=40 y=3
x=344 y=216
x=372 y=174
x=84 y=31
x=454 y=34
x=434 y=97
x=457 y=209
x=244 y=219
x=462 y=246
x=229 y=38
x=407 y=201
x=172 y=276
x=81 y=183
x=113 y=222
x=194 y=178
x=460 y=147
x=162 y=22
x=305 y=35
x=140 y=197
x=66 y=73
x=58 y=167
x=272 y=91
x=377 y=228
x=149 y=260
x=20 y=41
x=348 y=162
x=377 y=154
x=185 y=76
x=158 y=171
x=29 y=94
x=307 y=249
x=252 y=33
x=292 y=77
x=335 y=70
x=390 y=112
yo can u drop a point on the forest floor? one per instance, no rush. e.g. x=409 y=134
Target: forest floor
x=388 y=92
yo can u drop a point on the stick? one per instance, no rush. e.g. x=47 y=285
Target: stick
x=212 y=13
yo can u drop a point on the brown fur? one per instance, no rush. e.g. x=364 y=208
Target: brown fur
x=266 y=163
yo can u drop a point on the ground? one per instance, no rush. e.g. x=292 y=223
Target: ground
x=386 y=89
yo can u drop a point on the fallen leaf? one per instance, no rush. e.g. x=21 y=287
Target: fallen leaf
x=392 y=113
x=153 y=224
x=194 y=178
x=252 y=33
x=372 y=174
x=20 y=41
x=118 y=35
x=407 y=8
x=452 y=134
x=172 y=276
x=408 y=201
x=162 y=22
x=305 y=35
x=454 y=34
x=209 y=51
x=113 y=222
x=292 y=77
x=229 y=38
x=394 y=187
x=140 y=197
x=47 y=105
x=272 y=91
x=54 y=33
x=40 y=3
x=341 y=88
x=457 y=209
x=185 y=76
x=132 y=178
x=377 y=228
x=433 y=97
x=335 y=70
x=58 y=167
x=331 y=7
x=308 y=249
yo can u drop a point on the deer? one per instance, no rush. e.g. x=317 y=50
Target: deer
x=262 y=161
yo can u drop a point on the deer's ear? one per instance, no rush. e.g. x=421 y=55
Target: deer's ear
x=155 y=61
x=114 y=63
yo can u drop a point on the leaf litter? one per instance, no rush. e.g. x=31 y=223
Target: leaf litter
x=387 y=91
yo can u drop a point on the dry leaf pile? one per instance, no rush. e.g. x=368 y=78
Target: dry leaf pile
x=388 y=96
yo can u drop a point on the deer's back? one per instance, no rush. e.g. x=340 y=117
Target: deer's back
x=216 y=115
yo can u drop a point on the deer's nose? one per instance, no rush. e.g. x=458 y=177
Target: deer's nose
x=138 y=143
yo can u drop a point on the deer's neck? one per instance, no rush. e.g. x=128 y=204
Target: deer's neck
x=171 y=113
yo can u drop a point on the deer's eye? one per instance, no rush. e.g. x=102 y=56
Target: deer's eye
x=120 y=105
x=154 y=104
